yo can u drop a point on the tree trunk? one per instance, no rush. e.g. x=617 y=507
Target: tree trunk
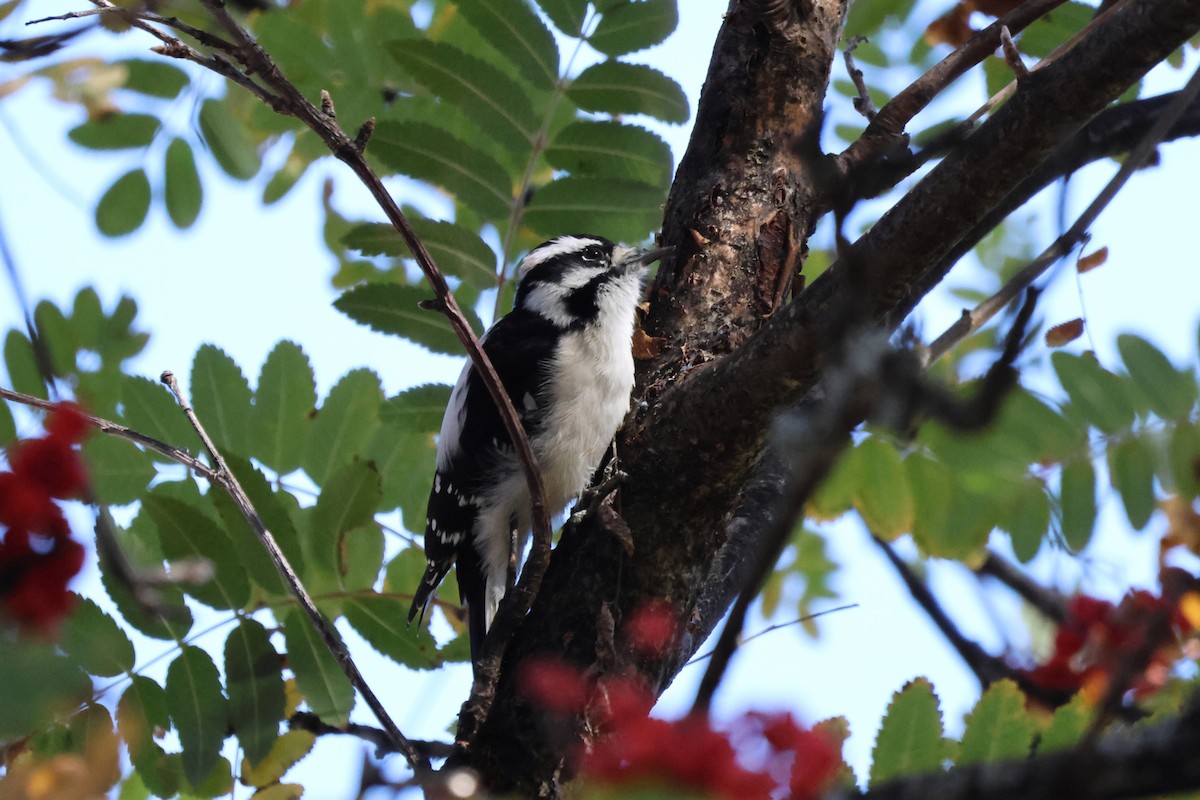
x=746 y=196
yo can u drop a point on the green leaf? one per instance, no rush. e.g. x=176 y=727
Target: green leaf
x=404 y=571
x=8 y=426
x=221 y=397
x=631 y=26
x=123 y=208
x=613 y=87
x=1184 y=456
x=567 y=15
x=1169 y=392
x=348 y=499
x=281 y=419
x=318 y=676
x=932 y=487
x=198 y=709
x=182 y=189
x=344 y=424
x=1097 y=394
x=227 y=140
x=910 y=739
x=621 y=210
x=1054 y=28
x=116 y=131
x=19 y=361
x=285 y=752
x=999 y=727
x=382 y=622
x=175 y=618
x=155 y=78
x=456 y=250
x=486 y=95
x=430 y=154
x=1028 y=520
x=189 y=533
x=835 y=496
x=255 y=685
x=219 y=781
x=1028 y=429
x=119 y=471
x=95 y=641
x=884 y=498
x=866 y=17
x=405 y=460
x=1131 y=466
x=360 y=557
x=392 y=308
x=149 y=407
x=134 y=788
x=611 y=150
x=1069 y=724
x=1078 y=499
x=518 y=34
x=419 y=409
x=141 y=712
x=37 y=684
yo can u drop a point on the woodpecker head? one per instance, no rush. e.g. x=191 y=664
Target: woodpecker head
x=566 y=279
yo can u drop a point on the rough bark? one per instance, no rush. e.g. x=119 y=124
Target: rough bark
x=745 y=198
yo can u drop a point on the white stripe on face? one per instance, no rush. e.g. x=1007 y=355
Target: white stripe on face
x=554 y=248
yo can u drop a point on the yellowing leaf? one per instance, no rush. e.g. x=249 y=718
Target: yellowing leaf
x=285 y=752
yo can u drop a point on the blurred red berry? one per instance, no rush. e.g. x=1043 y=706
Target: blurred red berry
x=68 y=423
x=35 y=586
x=26 y=505
x=52 y=464
x=555 y=685
x=651 y=628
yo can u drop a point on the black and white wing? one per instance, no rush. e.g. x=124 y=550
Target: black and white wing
x=473 y=442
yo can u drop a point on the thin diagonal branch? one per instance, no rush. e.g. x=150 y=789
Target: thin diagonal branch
x=225 y=478
x=273 y=88
x=115 y=429
x=972 y=320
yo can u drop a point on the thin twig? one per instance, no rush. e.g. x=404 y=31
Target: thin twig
x=862 y=102
x=1049 y=603
x=891 y=120
x=825 y=432
x=776 y=627
x=1013 y=56
x=866 y=377
x=273 y=88
x=987 y=668
x=307 y=721
x=515 y=604
x=113 y=429
x=225 y=478
x=974 y=319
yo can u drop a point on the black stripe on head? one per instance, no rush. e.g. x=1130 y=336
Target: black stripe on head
x=547 y=263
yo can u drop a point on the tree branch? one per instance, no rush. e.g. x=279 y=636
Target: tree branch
x=222 y=476
x=685 y=444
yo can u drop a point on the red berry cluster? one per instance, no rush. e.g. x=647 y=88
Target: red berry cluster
x=763 y=756
x=1098 y=636
x=38 y=557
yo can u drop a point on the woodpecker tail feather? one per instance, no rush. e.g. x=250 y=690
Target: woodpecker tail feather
x=423 y=596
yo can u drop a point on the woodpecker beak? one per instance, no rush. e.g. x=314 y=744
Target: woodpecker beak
x=652 y=255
